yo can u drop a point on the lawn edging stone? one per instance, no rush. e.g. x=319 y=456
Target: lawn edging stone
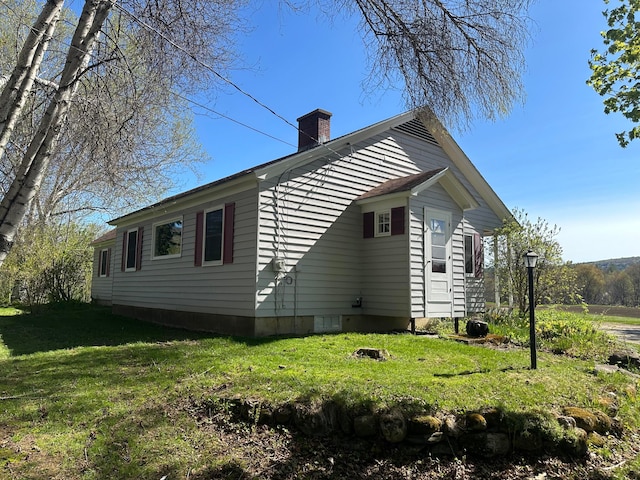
x=489 y=432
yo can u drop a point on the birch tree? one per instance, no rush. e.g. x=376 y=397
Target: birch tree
x=457 y=60
x=136 y=31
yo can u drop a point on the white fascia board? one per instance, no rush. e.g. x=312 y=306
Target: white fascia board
x=381 y=198
x=456 y=190
x=189 y=200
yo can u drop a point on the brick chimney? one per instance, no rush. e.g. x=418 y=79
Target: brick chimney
x=314 y=129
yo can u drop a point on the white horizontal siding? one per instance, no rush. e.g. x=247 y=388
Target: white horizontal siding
x=176 y=284
x=101 y=287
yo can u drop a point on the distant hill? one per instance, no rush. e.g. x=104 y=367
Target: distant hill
x=614 y=264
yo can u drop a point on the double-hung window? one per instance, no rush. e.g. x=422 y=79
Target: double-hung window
x=132 y=250
x=214 y=235
x=383 y=223
x=103 y=262
x=213 y=238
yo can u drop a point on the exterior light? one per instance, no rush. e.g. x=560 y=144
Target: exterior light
x=530 y=260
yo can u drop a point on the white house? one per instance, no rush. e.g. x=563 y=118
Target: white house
x=366 y=232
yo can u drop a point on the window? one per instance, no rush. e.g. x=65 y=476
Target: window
x=469 y=260
x=132 y=250
x=104 y=260
x=383 y=223
x=167 y=239
x=438 y=245
x=214 y=236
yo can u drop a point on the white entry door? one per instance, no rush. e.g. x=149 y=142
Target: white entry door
x=439 y=279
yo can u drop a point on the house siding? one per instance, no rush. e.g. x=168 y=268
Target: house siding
x=300 y=258
x=102 y=287
x=177 y=284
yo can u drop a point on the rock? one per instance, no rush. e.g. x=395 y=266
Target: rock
x=314 y=420
x=365 y=426
x=590 y=421
x=393 y=426
x=528 y=441
x=567 y=422
x=476 y=422
x=487 y=444
x=445 y=449
x=452 y=427
x=625 y=359
x=477 y=328
x=493 y=417
x=373 y=353
x=424 y=425
x=595 y=439
x=575 y=442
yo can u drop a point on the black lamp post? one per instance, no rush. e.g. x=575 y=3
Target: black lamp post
x=530 y=260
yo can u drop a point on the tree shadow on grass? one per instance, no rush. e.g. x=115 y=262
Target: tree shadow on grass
x=80 y=325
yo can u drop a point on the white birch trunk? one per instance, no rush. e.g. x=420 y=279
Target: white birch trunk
x=20 y=83
x=34 y=164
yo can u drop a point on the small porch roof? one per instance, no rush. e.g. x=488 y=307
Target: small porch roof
x=412 y=185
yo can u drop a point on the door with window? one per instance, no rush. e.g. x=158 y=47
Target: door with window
x=439 y=278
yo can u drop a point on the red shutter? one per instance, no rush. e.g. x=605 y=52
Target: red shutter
x=139 y=249
x=397 y=221
x=108 y=262
x=368 y=225
x=124 y=251
x=229 y=218
x=478 y=254
x=197 y=256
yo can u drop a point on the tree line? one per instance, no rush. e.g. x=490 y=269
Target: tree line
x=609 y=285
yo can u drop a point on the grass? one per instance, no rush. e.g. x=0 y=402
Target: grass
x=85 y=394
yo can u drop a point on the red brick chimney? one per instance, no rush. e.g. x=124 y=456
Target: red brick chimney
x=314 y=129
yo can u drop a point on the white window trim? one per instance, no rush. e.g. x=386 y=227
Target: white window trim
x=126 y=251
x=376 y=223
x=153 y=239
x=103 y=274
x=212 y=263
x=472 y=273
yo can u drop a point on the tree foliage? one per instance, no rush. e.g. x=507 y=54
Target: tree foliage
x=50 y=263
x=609 y=286
x=615 y=71
x=554 y=280
x=460 y=59
x=83 y=125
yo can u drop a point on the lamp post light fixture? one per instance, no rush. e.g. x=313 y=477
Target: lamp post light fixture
x=530 y=260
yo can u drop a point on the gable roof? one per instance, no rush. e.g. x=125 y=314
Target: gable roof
x=418 y=123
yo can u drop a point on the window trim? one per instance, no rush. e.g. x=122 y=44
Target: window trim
x=138 y=249
x=106 y=252
x=125 y=252
x=472 y=259
x=378 y=223
x=213 y=263
x=153 y=238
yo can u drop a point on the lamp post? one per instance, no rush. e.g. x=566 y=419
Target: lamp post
x=530 y=260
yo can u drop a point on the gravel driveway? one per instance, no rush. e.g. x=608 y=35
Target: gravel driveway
x=628 y=333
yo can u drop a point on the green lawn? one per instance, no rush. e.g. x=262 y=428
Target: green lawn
x=85 y=394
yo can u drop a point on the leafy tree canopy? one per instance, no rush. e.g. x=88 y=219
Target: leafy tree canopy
x=615 y=70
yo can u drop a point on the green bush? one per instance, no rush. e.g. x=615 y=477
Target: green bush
x=574 y=334
x=49 y=263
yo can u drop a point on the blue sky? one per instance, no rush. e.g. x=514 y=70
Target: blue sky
x=555 y=155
